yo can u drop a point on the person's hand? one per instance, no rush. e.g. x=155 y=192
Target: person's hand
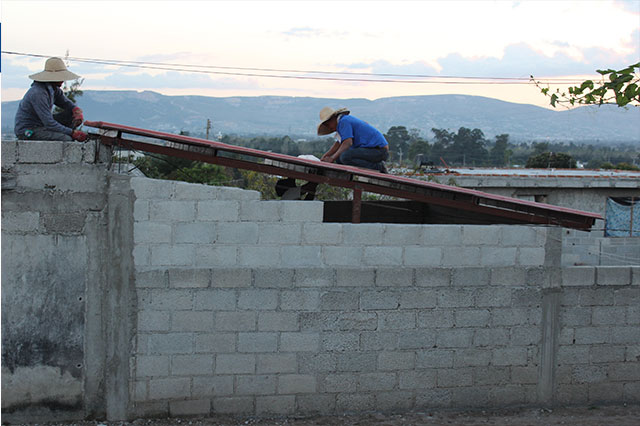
x=79 y=136
x=77 y=117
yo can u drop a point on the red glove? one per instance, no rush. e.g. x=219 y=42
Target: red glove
x=79 y=136
x=77 y=117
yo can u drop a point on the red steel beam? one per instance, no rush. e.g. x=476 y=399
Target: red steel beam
x=349 y=177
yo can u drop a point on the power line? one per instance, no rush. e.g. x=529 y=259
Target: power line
x=208 y=69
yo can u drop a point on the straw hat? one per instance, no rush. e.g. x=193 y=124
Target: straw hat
x=325 y=115
x=54 y=70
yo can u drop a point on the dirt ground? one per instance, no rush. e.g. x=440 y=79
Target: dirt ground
x=584 y=416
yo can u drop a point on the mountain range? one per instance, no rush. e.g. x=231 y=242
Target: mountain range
x=298 y=116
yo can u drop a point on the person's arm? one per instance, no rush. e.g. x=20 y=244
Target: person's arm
x=345 y=145
x=42 y=108
x=331 y=151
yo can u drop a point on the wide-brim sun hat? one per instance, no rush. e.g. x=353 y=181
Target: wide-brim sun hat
x=54 y=70
x=325 y=115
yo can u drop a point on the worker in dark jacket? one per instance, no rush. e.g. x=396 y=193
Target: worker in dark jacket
x=35 y=119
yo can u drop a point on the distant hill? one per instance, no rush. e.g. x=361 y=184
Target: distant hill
x=298 y=116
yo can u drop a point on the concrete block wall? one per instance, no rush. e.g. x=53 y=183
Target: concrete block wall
x=587 y=248
x=189 y=225
x=54 y=201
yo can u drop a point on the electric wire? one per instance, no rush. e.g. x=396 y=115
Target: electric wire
x=399 y=78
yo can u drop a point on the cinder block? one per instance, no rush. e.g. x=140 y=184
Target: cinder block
x=433 y=277
x=606 y=354
x=416 y=339
x=396 y=320
x=472 y=358
x=308 y=300
x=379 y=340
x=530 y=256
x=472 y=317
x=355 y=402
x=356 y=362
x=571 y=354
x=142 y=255
x=278 y=321
x=231 y=277
x=172 y=255
x=455 y=298
x=189 y=278
x=606 y=392
x=402 y=235
x=313 y=277
x=418 y=299
x=468 y=277
x=235 y=364
x=215 y=343
x=170 y=388
x=582 y=276
x=256 y=385
x=417 y=379
x=237 y=233
x=342 y=256
x=449 y=378
x=302 y=211
x=490 y=297
x=422 y=256
x=498 y=256
x=280 y=233
x=235 y=321
x=322 y=233
x=519 y=236
x=171 y=343
x=141 y=210
x=317 y=363
x=214 y=300
x=261 y=211
x=394 y=277
x=525 y=336
x=258 y=342
x=433 y=398
x=627 y=296
x=170 y=300
x=73 y=152
x=234 y=405
x=491 y=337
x=316 y=404
x=394 y=401
x=392 y=361
x=435 y=318
x=382 y=256
x=152 y=366
x=258 y=300
x=259 y=256
x=595 y=297
x=195 y=191
x=379 y=300
x=461 y=256
x=190 y=407
x=589 y=373
x=216 y=256
x=295 y=256
x=358 y=277
x=362 y=234
x=218 y=210
x=192 y=365
x=296 y=384
x=9 y=153
x=172 y=211
x=442 y=235
x=153 y=321
x=339 y=301
x=460 y=338
x=191 y=321
x=340 y=342
x=275 y=405
x=194 y=233
x=344 y=382
x=613 y=275
x=212 y=386
x=509 y=356
x=608 y=315
x=480 y=235
x=152 y=189
x=376 y=381
x=20 y=221
x=40 y=152
x=352 y=321
x=635 y=275
x=276 y=363
x=625 y=335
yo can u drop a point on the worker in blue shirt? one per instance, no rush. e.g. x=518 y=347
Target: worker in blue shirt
x=35 y=119
x=359 y=144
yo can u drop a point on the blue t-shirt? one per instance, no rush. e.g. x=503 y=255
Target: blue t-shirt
x=364 y=135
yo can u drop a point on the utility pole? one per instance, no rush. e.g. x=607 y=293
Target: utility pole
x=208 y=127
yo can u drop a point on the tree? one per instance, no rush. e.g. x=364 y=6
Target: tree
x=500 y=153
x=398 y=138
x=548 y=160
x=623 y=88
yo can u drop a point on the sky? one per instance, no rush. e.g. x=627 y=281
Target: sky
x=332 y=45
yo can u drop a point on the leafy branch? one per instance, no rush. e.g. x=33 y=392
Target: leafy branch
x=622 y=89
